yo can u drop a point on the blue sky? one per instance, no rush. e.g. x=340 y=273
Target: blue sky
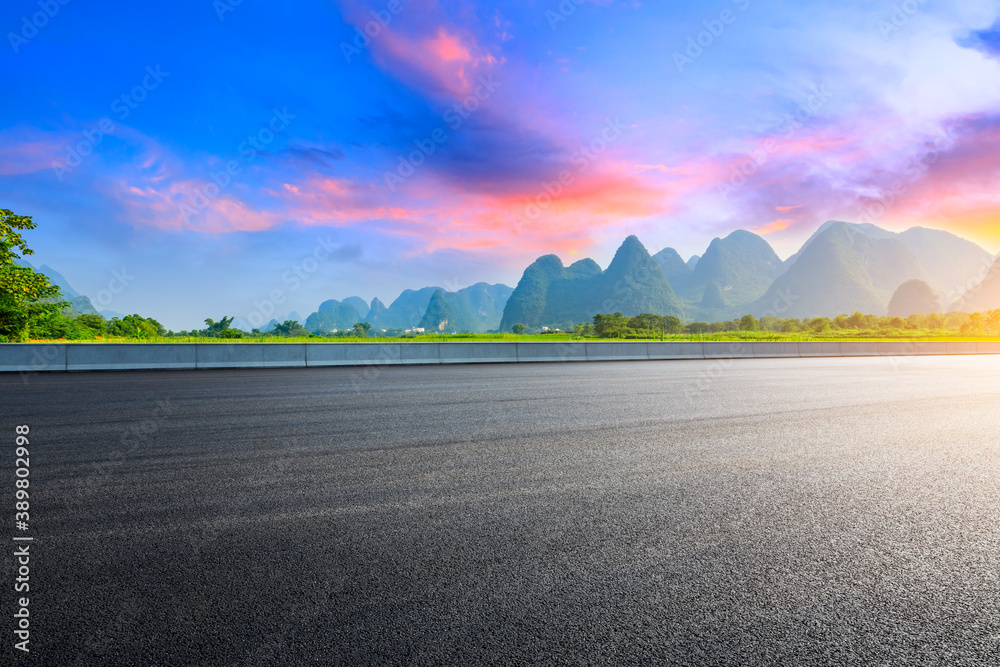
x=464 y=139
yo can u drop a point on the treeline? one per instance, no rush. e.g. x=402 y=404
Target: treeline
x=647 y=325
x=287 y=329
x=65 y=324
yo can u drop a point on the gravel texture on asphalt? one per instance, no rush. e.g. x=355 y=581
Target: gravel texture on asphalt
x=730 y=512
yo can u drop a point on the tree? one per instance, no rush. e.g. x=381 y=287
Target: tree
x=25 y=296
x=671 y=324
x=290 y=328
x=749 y=323
x=993 y=320
x=518 y=328
x=610 y=326
x=95 y=323
x=221 y=328
x=645 y=322
x=215 y=328
x=361 y=329
x=135 y=326
x=856 y=321
x=820 y=324
x=974 y=327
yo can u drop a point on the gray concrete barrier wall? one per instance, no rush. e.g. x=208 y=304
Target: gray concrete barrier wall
x=538 y=352
x=477 y=353
x=130 y=356
x=617 y=351
x=47 y=357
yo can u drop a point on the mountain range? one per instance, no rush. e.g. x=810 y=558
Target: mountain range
x=843 y=267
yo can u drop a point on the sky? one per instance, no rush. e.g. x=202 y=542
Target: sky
x=236 y=157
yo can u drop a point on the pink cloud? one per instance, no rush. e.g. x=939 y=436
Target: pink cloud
x=20 y=154
x=773 y=226
x=439 y=58
x=955 y=186
x=187 y=205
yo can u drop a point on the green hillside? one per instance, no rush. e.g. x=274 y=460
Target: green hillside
x=551 y=294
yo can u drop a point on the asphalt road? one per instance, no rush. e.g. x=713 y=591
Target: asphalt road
x=794 y=512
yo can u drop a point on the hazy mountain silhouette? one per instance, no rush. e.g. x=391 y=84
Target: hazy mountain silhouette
x=984 y=296
x=841 y=269
x=742 y=264
x=952 y=264
x=78 y=302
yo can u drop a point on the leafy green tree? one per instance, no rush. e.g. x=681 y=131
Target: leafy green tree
x=820 y=324
x=135 y=326
x=221 y=329
x=857 y=320
x=518 y=328
x=290 y=328
x=25 y=296
x=361 y=329
x=749 y=323
x=976 y=326
x=610 y=326
x=671 y=324
x=645 y=322
x=93 y=323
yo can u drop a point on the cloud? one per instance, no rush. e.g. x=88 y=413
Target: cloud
x=26 y=152
x=432 y=54
x=773 y=226
x=186 y=205
x=955 y=183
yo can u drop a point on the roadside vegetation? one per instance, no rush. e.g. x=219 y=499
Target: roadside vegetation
x=646 y=327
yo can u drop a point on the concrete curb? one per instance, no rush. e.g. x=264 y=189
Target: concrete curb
x=29 y=358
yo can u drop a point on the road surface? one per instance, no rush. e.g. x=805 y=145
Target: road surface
x=731 y=512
